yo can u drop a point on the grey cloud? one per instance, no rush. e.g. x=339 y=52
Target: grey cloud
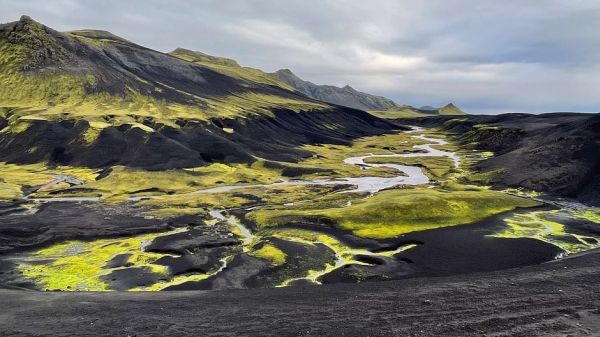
x=486 y=56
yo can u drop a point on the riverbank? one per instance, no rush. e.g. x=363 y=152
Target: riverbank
x=559 y=298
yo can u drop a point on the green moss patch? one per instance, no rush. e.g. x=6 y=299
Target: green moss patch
x=271 y=253
x=538 y=225
x=79 y=265
x=392 y=213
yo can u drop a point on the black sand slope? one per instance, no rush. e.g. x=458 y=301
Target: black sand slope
x=195 y=143
x=553 y=299
x=557 y=153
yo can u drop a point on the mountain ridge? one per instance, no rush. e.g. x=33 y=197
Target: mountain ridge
x=408 y=111
x=346 y=96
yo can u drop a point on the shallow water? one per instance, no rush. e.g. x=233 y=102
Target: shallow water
x=410 y=175
x=246 y=234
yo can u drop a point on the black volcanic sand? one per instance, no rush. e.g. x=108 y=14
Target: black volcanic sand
x=559 y=298
x=299 y=259
x=63 y=221
x=194 y=144
x=438 y=252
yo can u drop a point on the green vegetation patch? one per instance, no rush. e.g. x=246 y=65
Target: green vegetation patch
x=80 y=265
x=124 y=182
x=392 y=213
x=271 y=253
x=591 y=214
x=538 y=225
x=15 y=177
x=230 y=68
x=330 y=157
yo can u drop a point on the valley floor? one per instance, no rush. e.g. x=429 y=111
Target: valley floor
x=559 y=298
x=249 y=226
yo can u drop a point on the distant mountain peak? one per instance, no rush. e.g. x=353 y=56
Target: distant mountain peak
x=285 y=71
x=288 y=75
x=346 y=96
x=450 y=109
x=28 y=25
x=26 y=18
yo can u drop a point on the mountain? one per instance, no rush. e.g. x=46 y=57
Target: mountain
x=346 y=96
x=91 y=98
x=450 y=110
x=407 y=111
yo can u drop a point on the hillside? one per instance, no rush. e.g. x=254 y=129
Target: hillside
x=346 y=96
x=557 y=153
x=407 y=111
x=94 y=99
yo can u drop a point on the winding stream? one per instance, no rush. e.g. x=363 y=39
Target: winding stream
x=407 y=175
x=410 y=175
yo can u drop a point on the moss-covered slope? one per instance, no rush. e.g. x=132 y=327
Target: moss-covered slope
x=91 y=98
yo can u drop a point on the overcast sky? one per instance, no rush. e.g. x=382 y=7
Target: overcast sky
x=485 y=56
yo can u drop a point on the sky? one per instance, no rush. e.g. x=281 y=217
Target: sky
x=485 y=56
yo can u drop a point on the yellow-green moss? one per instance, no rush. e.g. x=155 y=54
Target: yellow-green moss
x=481 y=177
x=9 y=191
x=330 y=157
x=392 y=213
x=403 y=111
x=536 y=225
x=344 y=255
x=14 y=177
x=591 y=214
x=230 y=68
x=271 y=253
x=80 y=265
x=124 y=182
